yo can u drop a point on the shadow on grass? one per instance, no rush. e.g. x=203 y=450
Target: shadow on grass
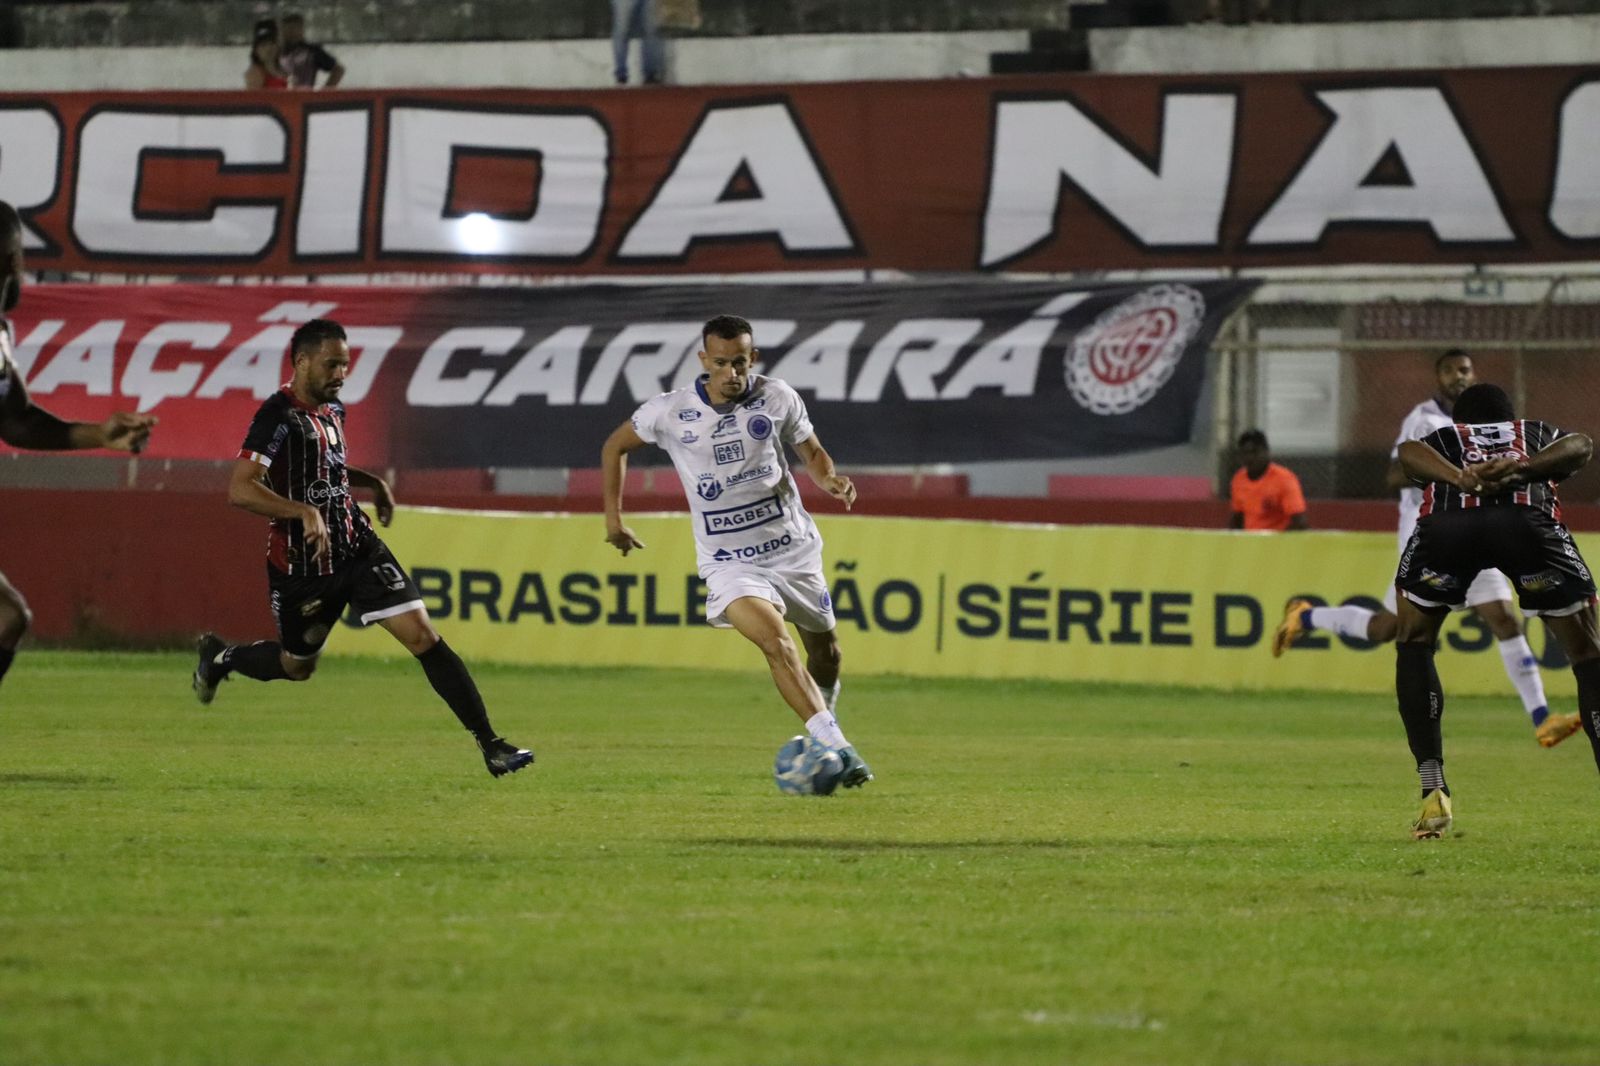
x=56 y=780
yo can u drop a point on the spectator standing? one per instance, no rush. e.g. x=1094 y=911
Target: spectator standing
x=636 y=18
x=1264 y=494
x=265 y=71
x=303 y=59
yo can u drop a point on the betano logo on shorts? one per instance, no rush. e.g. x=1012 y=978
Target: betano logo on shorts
x=739 y=519
x=756 y=551
x=1121 y=361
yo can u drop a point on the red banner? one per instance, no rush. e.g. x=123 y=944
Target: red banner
x=1039 y=173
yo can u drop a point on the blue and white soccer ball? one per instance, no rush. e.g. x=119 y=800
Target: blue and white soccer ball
x=806 y=768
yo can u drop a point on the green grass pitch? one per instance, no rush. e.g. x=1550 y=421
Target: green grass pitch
x=1042 y=873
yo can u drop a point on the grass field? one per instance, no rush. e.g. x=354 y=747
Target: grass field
x=1042 y=873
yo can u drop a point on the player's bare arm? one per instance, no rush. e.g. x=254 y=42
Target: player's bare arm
x=24 y=424
x=248 y=491
x=382 y=494
x=613 y=466
x=1395 y=478
x=1422 y=464
x=1557 y=462
x=819 y=464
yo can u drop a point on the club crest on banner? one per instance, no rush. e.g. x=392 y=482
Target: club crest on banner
x=1121 y=361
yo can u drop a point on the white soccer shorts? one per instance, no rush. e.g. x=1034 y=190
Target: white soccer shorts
x=800 y=595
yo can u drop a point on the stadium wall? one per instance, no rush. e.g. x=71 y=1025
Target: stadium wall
x=1002 y=598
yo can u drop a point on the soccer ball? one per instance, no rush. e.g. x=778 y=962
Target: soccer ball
x=806 y=768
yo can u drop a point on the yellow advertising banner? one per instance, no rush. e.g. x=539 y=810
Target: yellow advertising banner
x=933 y=598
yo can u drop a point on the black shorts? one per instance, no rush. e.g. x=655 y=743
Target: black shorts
x=1532 y=549
x=307 y=608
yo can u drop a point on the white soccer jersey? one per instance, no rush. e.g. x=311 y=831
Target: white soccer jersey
x=1423 y=420
x=735 y=472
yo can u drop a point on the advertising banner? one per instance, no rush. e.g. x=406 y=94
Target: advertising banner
x=908 y=373
x=939 y=599
x=1076 y=172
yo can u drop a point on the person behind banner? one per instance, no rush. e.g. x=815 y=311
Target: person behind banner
x=759 y=551
x=265 y=71
x=1488 y=502
x=322 y=553
x=24 y=424
x=302 y=60
x=1489 y=597
x=1263 y=494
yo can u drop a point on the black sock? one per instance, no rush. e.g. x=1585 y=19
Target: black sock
x=259 y=661
x=1416 y=685
x=449 y=678
x=6 y=655
x=1588 y=675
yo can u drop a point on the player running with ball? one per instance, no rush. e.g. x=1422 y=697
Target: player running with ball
x=759 y=552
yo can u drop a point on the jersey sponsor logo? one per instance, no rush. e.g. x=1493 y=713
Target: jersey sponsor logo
x=731 y=452
x=1120 y=362
x=708 y=488
x=739 y=519
x=689 y=436
x=1435 y=580
x=749 y=475
x=320 y=493
x=756 y=404
x=689 y=416
x=760 y=427
x=756 y=551
x=726 y=426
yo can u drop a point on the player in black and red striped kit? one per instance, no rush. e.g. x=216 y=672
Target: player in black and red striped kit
x=1489 y=502
x=322 y=552
x=24 y=424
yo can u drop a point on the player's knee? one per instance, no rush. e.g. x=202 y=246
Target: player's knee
x=1502 y=623
x=776 y=646
x=15 y=617
x=1382 y=628
x=299 y=669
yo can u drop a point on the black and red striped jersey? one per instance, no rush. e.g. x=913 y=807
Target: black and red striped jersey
x=1466 y=445
x=303 y=449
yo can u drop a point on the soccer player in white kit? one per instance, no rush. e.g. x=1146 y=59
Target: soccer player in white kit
x=1489 y=596
x=759 y=552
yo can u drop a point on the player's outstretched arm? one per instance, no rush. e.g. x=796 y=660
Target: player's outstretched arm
x=24 y=424
x=613 y=467
x=382 y=494
x=819 y=464
x=246 y=490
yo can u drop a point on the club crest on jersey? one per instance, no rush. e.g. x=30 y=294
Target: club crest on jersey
x=726 y=425
x=1498 y=435
x=731 y=452
x=708 y=488
x=689 y=416
x=689 y=436
x=760 y=427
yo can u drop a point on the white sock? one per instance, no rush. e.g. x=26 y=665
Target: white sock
x=830 y=697
x=1345 y=621
x=825 y=728
x=1523 y=670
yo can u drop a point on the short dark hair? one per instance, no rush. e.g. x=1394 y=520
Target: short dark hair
x=1483 y=403
x=728 y=327
x=10 y=224
x=1450 y=353
x=1252 y=436
x=309 y=337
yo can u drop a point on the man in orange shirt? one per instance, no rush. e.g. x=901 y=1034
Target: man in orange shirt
x=1264 y=494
